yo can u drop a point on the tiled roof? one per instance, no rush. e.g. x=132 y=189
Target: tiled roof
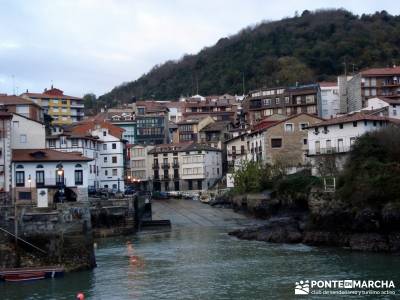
x=217 y=126
x=49 y=96
x=268 y=123
x=15 y=100
x=350 y=118
x=84 y=127
x=381 y=71
x=181 y=147
x=43 y=155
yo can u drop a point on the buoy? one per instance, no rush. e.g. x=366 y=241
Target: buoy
x=80 y=296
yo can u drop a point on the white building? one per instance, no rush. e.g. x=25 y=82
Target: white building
x=330 y=100
x=384 y=107
x=336 y=136
x=140 y=166
x=27 y=133
x=185 y=166
x=44 y=176
x=5 y=152
x=236 y=150
x=100 y=141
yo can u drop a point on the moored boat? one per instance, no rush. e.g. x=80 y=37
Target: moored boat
x=25 y=274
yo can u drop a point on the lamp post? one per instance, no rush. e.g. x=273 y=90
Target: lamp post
x=60 y=174
x=30 y=187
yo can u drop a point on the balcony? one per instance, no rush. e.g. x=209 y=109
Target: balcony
x=156 y=166
x=176 y=177
x=165 y=177
x=165 y=166
x=329 y=150
x=175 y=165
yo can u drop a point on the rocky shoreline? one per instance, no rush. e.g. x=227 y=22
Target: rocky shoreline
x=319 y=221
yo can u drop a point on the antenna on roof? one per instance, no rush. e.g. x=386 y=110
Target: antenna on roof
x=51 y=83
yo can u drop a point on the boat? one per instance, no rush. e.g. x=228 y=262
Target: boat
x=25 y=274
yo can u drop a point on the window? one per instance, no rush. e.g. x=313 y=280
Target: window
x=303 y=126
x=276 y=143
x=114 y=172
x=63 y=140
x=20 y=178
x=289 y=127
x=277 y=100
x=90 y=168
x=74 y=142
x=22 y=138
x=39 y=178
x=355 y=124
x=64 y=102
x=52 y=143
x=114 y=159
x=304 y=141
x=104 y=146
x=114 y=146
x=78 y=177
x=105 y=159
x=352 y=141
x=287 y=100
x=104 y=133
x=341 y=126
x=106 y=172
x=25 y=196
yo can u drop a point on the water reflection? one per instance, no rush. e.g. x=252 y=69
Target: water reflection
x=204 y=263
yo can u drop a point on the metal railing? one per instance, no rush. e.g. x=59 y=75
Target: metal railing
x=329 y=150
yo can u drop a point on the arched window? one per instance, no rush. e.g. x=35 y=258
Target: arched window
x=39 y=167
x=78 y=166
x=19 y=167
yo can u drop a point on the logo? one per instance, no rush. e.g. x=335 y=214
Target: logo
x=302 y=288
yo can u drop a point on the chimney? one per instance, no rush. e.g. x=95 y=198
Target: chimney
x=27 y=91
x=51 y=86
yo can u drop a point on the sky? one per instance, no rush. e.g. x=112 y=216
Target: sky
x=91 y=46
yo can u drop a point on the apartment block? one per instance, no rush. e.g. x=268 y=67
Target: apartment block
x=62 y=108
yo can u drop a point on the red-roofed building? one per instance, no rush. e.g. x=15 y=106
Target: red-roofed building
x=62 y=108
x=22 y=106
x=369 y=83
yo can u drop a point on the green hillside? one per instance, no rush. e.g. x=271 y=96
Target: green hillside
x=305 y=48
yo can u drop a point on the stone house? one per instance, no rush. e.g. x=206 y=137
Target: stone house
x=287 y=140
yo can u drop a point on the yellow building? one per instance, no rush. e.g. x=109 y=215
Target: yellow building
x=62 y=108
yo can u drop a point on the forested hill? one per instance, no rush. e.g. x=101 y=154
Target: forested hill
x=312 y=46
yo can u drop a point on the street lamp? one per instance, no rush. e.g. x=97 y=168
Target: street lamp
x=60 y=179
x=30 y=187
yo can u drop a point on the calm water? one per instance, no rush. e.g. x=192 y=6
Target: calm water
x=204 y=263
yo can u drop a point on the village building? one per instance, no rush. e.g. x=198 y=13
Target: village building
x=62 y=108
x=5 y=153
x=330 y=100
x=333 y=139
x=22 y=106
x=383 y=107
x=189 y=129
x=281 y=100
x=185 y=166
x=45 y=176
x=102 y=142
x=140 y=167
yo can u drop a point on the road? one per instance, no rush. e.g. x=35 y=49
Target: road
x=190 y=213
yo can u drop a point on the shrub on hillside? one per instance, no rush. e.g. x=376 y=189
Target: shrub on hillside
x=372 y=173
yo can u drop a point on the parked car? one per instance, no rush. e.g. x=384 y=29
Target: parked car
x=130 y=190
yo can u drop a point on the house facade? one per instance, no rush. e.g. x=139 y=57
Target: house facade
x=22 y=106
x=27 y=133
x=334 y=138
x=5 y=152
x=140 y=167
x=287 y=140
x=185 y=166
x=62 y=108
x=330 y=100
x=283 y=101
x=44 y=176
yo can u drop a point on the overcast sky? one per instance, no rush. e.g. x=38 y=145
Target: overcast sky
x=92 y=45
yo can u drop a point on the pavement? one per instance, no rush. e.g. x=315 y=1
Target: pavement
x=192 y=213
